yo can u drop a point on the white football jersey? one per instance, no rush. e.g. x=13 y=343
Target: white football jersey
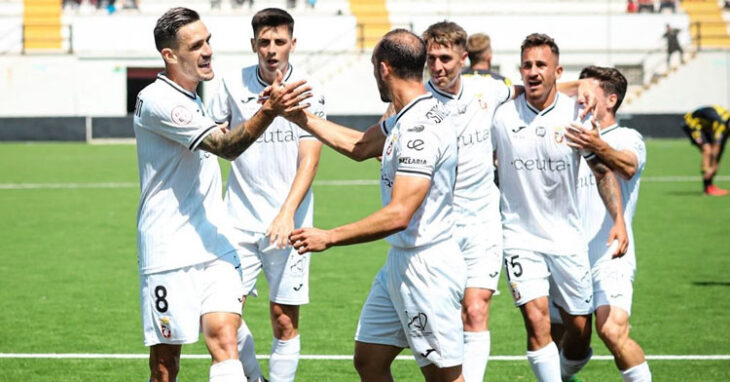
x=597 y=222
x=180 y=207
x=538 y=175
x=262 y=176
x=421 y=142
x=472 y=110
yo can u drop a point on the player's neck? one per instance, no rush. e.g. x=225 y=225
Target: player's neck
x=269 y=77
x=607 y=121
x=186 y=83
x=404 y=92
x=545 y=101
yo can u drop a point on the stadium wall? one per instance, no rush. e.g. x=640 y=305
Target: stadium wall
x=75 y=129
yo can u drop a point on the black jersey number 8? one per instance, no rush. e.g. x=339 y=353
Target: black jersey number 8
x=160 y=301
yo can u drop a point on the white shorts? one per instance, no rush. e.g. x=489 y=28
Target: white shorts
x=481 y=245
x=613 y=284
x=415 y=302
x=286 y=271
x=566 y=279
x=172 y=302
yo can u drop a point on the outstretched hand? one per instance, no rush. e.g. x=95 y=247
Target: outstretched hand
x=587 y=97
x=310 y=240
x=281 y=99
x=581 y=138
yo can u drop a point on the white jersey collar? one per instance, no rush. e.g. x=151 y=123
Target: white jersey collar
x=445 y=94
x=545 y=110
x=411 y=104
x=608 y=129
x=161 y=76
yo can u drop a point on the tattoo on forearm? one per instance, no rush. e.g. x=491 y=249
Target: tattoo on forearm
x=608 y=187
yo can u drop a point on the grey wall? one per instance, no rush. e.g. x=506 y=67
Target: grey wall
x=74 y=128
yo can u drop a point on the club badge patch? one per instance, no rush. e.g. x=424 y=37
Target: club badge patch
x=181 y=116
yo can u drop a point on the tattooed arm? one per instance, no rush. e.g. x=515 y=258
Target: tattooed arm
x=229 y=144
x=610 y=193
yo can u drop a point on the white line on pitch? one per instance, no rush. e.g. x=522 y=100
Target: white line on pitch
x=345 y=182
x=668 y=357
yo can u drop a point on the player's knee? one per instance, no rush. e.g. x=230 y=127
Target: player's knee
x=284 y=327
x=613 y=334
x=366 y=365
x=476 y=313
x=537 y=323
x=164 y=365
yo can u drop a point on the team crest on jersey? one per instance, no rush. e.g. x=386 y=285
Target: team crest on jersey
x=559 y=134
x=482 y=101
x=391 y=144
x=181 y=116
x=165 y=328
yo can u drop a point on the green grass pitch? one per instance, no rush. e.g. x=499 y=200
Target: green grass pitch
x=69 y=284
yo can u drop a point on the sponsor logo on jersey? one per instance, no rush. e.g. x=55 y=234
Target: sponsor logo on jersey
x=540 y=164
x=415 y=144
x=473 y=138
x=416 y=129
x=540 y=131
x=587 y=181
x=409 y=160
x=436 y=114
x=277 y=136
x=427 y=352
x=248 y=99
x=181 y=116
x=386 y=181
x=165 y=328
x=518 y=129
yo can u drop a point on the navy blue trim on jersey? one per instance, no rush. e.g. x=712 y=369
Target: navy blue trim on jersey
x=411 y=104
x=543 y=111
x=175 y=86
x=384 y=128
x=286 y=76
x=509 y=93
x=609 y=129
x=443 y=93
x=412 y=172
x=200 y=137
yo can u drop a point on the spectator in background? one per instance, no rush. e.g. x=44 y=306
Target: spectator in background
x=726 y=5
x=479 y=50
x=311 y=3
x=631 y=7
x=672 y=45
x=668 y=4
x=291 y=4
x=646 y=6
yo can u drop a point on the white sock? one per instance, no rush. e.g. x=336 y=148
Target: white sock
x=638 y=373
x=545 y=363
x=569 y=367
x=476 y=355
x=229 y=370
x=284 y=359
x=247 y=353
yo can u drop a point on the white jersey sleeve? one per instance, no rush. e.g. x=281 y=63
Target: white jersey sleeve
x=182 y=122
x=218 y=107
x=421 y=142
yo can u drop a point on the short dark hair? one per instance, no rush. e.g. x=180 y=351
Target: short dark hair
x=404 y=51
x=446 y=33
x=168 y=25
x=610 y=80
x=539 y=39
x=271 y=17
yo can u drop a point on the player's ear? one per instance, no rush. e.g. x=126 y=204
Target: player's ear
x=168 y=55
x=463 y=57
x=384 y=69
x=558 y=72
x=253 y=44
x=611 y=101
x=293 y=44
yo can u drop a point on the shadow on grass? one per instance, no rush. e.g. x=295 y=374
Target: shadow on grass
x=711 y=283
